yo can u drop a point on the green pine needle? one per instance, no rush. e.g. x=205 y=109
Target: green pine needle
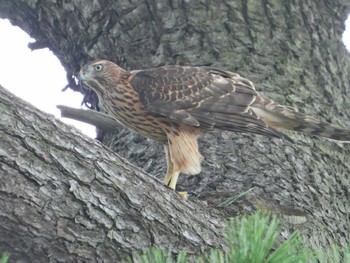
x=234 y=198
x=253 y=237
x=5 y=258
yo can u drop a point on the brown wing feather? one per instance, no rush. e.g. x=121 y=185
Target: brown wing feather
x=280 y=116
x=201 y=96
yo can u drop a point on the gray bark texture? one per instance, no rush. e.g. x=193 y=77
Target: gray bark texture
x=65 y=198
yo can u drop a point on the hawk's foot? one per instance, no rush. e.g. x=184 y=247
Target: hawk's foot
x=183 y=194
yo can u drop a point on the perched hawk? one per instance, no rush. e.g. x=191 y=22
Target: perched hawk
x=175 y=104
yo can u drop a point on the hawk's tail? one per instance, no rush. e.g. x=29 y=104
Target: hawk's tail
x=279 y=116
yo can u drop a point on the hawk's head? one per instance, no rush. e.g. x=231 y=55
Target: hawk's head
x=101 y=75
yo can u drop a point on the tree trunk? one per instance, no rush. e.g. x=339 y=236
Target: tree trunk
x=291 y=50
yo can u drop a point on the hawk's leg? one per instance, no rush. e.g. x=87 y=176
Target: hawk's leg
x=171 y=176
x=182 y=156
x=170 y=179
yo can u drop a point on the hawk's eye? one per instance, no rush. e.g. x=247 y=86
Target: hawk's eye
x=98 y=67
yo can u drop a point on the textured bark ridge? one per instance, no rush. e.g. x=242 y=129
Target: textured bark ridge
x=291 y=51
x=66 y=198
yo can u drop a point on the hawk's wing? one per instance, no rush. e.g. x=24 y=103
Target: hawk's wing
x=201 y=96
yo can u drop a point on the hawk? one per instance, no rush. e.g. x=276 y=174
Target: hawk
x=176 y=104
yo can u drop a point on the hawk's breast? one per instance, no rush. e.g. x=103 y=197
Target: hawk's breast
x=130 y=112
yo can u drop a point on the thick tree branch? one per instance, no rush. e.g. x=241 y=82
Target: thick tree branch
x=80 y=201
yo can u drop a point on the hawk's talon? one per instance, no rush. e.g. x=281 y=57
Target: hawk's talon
x=183 y=194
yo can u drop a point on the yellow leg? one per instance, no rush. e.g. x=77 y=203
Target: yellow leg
x=171 y=176
x=171 y=179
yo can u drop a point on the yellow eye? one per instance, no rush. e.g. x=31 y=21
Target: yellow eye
x=98 y=67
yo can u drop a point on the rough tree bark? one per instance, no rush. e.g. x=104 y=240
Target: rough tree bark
x=291 y=50
x=67 y=198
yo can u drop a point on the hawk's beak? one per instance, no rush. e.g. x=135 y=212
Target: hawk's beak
x=81 y=75
x=82 y=79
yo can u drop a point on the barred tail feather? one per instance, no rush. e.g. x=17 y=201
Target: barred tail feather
x=279 y=116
